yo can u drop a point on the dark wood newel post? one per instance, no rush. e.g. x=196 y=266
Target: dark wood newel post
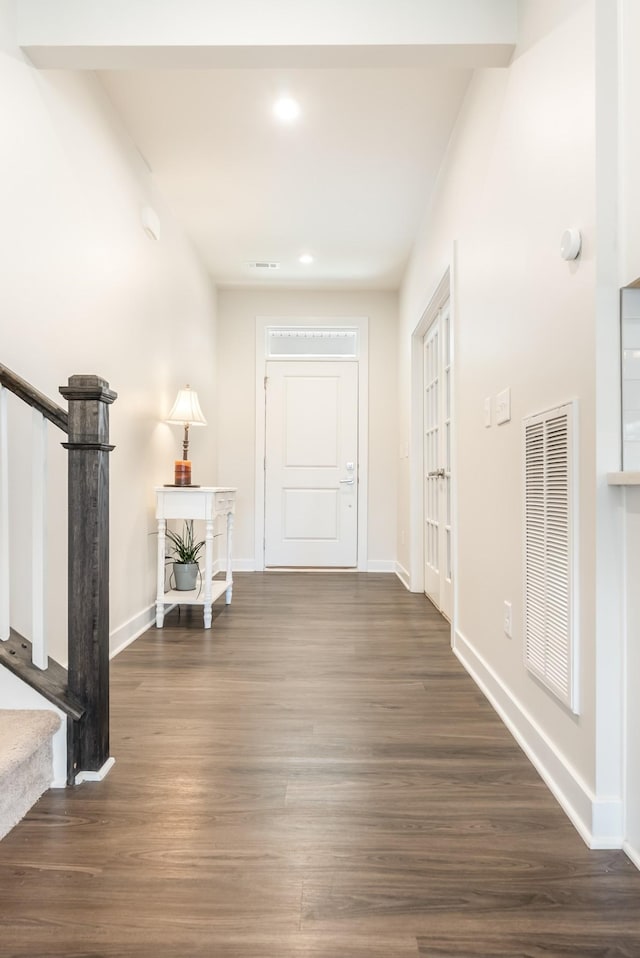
x=89 y=398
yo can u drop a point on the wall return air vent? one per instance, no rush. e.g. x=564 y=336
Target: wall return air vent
x=264 y=265
x=550 y=551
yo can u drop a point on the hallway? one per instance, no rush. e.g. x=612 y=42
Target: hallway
x=316 y=776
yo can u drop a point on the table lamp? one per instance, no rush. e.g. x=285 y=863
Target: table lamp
x=185 y=412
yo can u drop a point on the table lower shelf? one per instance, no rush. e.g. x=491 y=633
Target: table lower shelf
x=194 y=597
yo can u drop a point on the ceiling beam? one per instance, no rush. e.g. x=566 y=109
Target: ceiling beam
x=129 y=34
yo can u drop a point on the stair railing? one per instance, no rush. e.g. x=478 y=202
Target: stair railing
x=86 y=426
x=44 y=411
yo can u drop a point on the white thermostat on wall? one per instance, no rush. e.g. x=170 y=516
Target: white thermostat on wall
x=570 y=244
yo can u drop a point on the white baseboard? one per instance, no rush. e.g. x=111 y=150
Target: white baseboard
x=129 y=631
x=249 y=565
x=237 y=565
x=403 y=575
x=381 y=565
x=598 y=821
x=243 y=565
x=95 y=776
x=632 y=853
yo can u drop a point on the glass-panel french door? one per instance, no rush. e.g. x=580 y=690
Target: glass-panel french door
x=437 y=462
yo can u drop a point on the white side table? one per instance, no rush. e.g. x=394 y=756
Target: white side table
x=195 y=502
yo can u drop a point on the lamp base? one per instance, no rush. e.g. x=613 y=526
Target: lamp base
x=182 y=472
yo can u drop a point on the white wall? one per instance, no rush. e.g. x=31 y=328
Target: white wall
x=629 y=78
x=520 y=169
x=630 y=504
x=237 y=312
x=629 y=12
x=85 y=291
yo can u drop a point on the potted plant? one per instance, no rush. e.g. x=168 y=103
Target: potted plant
x=186 y=552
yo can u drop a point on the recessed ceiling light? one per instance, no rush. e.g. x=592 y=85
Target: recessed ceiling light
x=286 y=109
x=306 y=258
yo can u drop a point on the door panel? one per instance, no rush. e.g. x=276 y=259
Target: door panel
x=310 y=513
x=431 y=460
x=311 y=488
x=437 y=463
x=311 y=421
x=446 y=581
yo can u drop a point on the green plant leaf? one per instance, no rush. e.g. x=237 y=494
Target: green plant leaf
x=184 y=548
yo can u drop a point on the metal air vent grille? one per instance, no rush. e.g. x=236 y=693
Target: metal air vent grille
x=550 y=506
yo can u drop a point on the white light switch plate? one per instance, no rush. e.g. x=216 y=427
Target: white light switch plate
x=503 y=406
x=487 y=411
x=508 y=620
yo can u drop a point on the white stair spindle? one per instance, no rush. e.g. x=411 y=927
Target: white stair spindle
x=39 y=465
x=4 y=519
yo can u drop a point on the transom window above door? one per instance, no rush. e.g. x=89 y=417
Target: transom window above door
x=322 y=342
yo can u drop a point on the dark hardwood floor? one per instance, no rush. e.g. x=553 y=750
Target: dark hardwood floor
x=316 y=776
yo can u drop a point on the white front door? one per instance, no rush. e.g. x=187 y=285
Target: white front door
x=311 y=467
x=437 y=463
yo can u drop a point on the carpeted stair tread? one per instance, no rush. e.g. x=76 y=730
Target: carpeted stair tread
x=25 y=761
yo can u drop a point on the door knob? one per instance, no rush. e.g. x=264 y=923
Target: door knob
x=348 y=482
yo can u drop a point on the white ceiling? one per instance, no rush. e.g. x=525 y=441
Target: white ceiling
x=379 y=82
x=348 y=182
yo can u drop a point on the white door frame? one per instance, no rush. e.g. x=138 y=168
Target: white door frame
x=443 y=292
x=361 y=323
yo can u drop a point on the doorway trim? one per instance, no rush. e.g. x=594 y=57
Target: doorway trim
x=361 y=323
x=444 y=291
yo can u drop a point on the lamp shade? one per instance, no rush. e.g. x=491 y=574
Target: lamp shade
x=186 y=409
